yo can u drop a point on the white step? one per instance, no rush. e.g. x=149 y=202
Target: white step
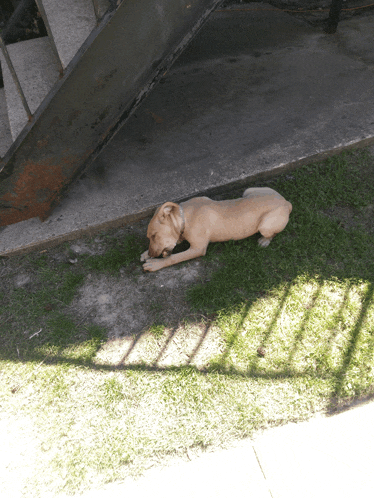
x=5 y=135
x=37 y=71
x=71 y=21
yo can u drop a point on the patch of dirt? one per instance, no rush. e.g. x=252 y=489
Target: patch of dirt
x=147 y=316
x=127 y=304
x=351 y=218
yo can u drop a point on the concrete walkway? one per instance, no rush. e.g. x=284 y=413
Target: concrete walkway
x=327 y=457
x=257 y=91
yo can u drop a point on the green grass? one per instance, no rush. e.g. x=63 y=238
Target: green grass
x=312 y=243
x=34 y=324
x=42 y=305
x=308 y=300
x=123 y=253
x=157 y=329
x=306 y=303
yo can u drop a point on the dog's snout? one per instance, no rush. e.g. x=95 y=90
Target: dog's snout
x=152 y=252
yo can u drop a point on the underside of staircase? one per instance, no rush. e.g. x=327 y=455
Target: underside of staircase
x=82 y=70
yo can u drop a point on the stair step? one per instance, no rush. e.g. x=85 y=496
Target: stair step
x=37 y=70
x=71 y=21
x=5 y=135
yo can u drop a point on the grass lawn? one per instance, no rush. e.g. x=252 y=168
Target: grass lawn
x=287 y=330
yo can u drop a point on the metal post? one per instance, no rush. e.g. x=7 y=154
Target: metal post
x=96 y=9
x=41 y=9
x=15 y=78
x=334 y=14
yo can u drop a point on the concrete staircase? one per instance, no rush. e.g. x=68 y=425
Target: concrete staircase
x=31 y=68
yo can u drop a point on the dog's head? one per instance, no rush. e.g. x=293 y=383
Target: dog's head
x=164 y=230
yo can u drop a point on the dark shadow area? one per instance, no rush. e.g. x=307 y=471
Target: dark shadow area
x=24 y=23
x=281 y=30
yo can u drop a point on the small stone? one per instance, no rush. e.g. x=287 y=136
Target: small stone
x=261 y=352
x=76 y=248
x=22 y=280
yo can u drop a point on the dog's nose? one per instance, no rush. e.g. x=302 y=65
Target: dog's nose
x=152 y=253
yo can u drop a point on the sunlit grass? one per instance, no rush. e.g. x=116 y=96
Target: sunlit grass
x=305 y=328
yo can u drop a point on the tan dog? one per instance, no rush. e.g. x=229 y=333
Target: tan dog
x=201 y=220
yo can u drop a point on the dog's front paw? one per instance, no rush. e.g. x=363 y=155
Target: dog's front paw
x=144 y=256
x=153 y=265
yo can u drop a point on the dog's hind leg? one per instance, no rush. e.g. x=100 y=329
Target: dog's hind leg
x=264 y=241
x=271 y=224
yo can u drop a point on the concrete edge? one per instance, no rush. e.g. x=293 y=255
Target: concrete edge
x=127 y=219
x=89 y=231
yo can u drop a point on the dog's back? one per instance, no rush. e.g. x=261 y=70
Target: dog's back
x=254 y=192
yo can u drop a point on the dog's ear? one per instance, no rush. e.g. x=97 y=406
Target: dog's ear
x=170 y=213
x=168 y=209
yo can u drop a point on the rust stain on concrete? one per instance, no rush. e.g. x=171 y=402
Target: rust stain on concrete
x=34 y=190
